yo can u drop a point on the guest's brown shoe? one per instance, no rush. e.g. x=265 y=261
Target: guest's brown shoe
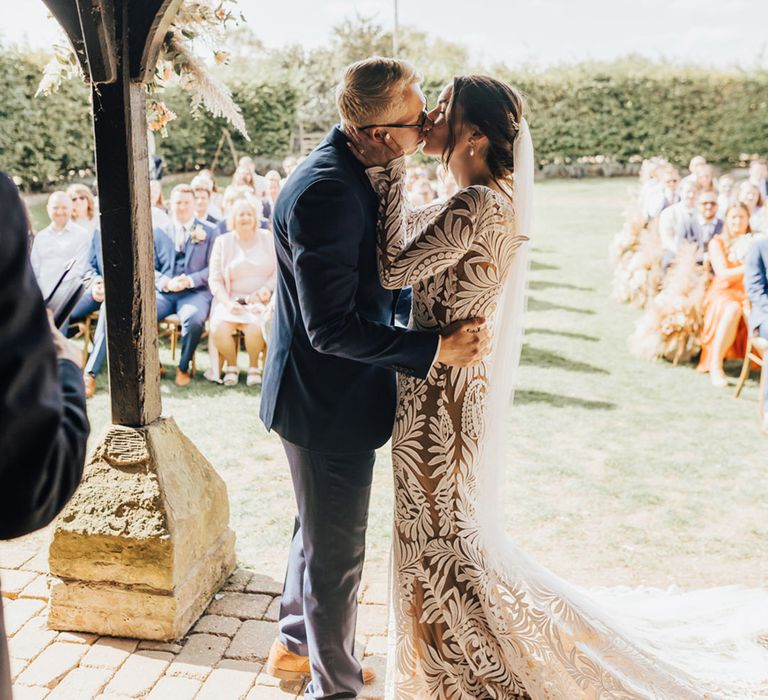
x=183 y=378
x=90 y=385
x=287 y=666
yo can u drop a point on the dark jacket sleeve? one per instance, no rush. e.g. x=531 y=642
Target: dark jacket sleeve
x=43 y=421
x=325 y=229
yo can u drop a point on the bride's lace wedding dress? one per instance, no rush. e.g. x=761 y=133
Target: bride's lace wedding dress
x=472 y=616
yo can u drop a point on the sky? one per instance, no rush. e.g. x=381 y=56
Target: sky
x=722 y=33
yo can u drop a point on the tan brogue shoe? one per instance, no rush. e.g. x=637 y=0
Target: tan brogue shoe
x=287 y=666
x=183 y=378
x=90 y=385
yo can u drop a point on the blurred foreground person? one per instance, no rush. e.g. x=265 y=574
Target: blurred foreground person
x=42 y=400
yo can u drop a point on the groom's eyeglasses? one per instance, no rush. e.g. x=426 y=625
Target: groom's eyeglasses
x=419 y=126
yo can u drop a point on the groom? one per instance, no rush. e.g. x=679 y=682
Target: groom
x=329 y=383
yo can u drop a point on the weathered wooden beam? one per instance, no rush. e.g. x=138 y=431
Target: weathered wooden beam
x=65 y=13
x=122 y=171
x=149 y=21
x=97 y=24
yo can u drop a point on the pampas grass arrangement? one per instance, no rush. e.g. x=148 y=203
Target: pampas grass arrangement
x=670 y=328
x=636 y=254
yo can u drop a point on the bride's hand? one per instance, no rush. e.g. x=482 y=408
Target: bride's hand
x=370 y=151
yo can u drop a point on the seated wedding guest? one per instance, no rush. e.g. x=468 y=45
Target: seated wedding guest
x=701 y=228
x=758 y=175
x=289 y=165
x=651 y=186
x=243 y=177
x=246 y=162
x=673 y=219
x=705 y=178
x=274 y=184
x=694 y=167
x=658 y=199
x=261 y=188
x=231 y=195
x=58 y=243
x=84 y=212
x=242 y=278
x=422 y=193
x=203 y=188
x=216 y=196
x=42 y=406
x=724 y=333
x=756 y=282
x=160 y=218
x=750 y=196
x=725 y=193
x=182 y=255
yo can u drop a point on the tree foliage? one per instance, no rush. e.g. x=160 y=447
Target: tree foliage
x=621 y=111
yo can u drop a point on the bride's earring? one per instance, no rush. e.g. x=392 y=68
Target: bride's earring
x=471 y=149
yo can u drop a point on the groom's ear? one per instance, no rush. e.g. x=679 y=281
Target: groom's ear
x=378 y=134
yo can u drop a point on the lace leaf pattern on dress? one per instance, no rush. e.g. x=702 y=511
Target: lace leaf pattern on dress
x=469 y=622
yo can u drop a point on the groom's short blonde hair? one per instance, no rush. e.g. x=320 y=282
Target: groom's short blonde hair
x=369 y=89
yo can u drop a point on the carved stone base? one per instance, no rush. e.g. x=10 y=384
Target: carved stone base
x=145 y=542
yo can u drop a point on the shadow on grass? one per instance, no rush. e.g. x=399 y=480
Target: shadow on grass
x=537 y=357
x=525 y=396
x=539 y=285
x=537 y=266
x=564 y=334
x=539 y=305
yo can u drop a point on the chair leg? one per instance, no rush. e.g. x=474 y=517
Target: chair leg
x=744 y=369
x=173 y=343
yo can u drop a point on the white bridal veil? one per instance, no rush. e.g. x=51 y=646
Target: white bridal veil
x=611 y=644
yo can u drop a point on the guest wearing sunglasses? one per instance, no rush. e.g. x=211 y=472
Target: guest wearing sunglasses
x=704 y=226
x=84 y=212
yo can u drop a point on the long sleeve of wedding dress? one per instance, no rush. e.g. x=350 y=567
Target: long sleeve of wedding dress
x=473 y=616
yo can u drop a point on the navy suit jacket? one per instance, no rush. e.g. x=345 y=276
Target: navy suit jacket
x=196 y=256
x=329 y=383
x=693 y=233
x=756 y=282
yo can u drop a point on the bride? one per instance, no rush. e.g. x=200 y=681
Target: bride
x=473 y=616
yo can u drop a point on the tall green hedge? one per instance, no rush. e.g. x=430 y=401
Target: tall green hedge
x=624 y=117
x=42 y=140
x=270 y=114
x=623 y=111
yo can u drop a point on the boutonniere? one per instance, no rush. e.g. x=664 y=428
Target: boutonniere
x=198 y=234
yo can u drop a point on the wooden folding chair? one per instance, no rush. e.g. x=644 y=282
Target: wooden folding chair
x=757 y=348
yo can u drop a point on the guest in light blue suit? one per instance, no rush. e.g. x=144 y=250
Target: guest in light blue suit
x=182 y=255
x=756 y=282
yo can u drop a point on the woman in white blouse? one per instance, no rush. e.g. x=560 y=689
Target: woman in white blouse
x=242 y=275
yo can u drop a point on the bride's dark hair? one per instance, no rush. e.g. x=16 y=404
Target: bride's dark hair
x=496 y=110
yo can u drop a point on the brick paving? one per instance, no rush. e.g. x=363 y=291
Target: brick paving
x=221 y=658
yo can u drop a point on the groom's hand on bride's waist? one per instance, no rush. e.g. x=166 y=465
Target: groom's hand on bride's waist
x=465 y=343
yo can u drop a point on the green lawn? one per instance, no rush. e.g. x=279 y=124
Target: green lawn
x=620 y=471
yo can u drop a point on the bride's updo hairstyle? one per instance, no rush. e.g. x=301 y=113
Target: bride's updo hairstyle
x=496 y=110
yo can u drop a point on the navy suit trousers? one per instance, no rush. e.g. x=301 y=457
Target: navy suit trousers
x=192 y=307
x=318 y=611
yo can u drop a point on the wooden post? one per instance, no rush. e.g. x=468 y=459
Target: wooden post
x=122 y=170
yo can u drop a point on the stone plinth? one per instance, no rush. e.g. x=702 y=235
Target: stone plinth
x=145 y=542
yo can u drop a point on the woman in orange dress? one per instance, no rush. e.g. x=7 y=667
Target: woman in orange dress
x=724 y=335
